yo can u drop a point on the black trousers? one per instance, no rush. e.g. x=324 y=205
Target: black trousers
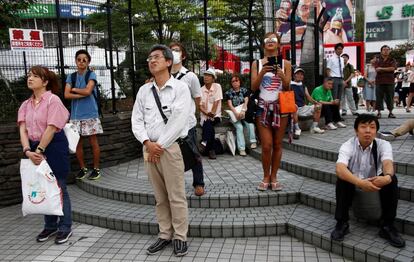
x=388 y=195
x=355 y=95
x=208 y=133
x=331 y=113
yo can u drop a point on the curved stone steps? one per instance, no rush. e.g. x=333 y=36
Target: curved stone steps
x=203 y=222
x=324 y=170
x=322 y=148
x=139 y=190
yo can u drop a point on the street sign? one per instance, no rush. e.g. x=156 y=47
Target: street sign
x=26 y=39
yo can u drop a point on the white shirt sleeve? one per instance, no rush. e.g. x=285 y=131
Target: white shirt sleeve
x=329 y=64
x=180 y=111
x=137 y=119
x=195 y=87
x=345 y=153
x=385 y=150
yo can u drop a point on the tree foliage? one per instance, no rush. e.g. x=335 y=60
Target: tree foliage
x=231 y=23
x=399 y=51
x=8 y=15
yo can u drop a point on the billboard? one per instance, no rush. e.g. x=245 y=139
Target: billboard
x=338 y=28
x=66 y=11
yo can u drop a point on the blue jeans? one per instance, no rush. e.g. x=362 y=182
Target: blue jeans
x=65 y=221
x=241 y=144
x=198 y=176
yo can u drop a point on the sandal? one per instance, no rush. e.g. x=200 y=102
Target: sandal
x=263 y=186
x=276 y=186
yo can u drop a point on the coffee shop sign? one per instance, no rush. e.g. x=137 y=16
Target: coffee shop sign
x=387 y=11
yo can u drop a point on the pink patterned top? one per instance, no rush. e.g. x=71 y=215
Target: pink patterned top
x=49 y=111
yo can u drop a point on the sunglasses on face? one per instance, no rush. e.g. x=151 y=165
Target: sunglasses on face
x=176 y=50
x=270 y=40
x=80 y=60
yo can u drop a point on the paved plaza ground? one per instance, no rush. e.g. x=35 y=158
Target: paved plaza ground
x=115 y=219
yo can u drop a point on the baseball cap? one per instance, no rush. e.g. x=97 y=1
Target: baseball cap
x=298 y=69
x=211 y=71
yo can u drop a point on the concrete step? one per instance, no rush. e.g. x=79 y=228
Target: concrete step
x=308 y=224
x=321 y=195
x=135 y=190
x=324 y=170
x=203 y=222
x=322 y=148
x=361 y=244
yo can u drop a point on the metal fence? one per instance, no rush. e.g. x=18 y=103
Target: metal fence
x=119 y=33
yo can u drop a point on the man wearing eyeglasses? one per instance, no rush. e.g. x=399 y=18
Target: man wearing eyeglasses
x=158 y=132
x=179 y=72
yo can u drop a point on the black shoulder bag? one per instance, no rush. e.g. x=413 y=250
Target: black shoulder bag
x=189 y=157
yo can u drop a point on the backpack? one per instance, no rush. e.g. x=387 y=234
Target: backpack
x=96 y=92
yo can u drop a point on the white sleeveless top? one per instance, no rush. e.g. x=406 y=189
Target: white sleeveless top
x=271 y=84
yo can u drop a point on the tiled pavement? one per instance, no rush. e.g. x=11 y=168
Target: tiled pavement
x=298 y=229
x=91 y=243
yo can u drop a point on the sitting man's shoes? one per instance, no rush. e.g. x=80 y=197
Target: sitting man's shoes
x=411 y=132
x=317 y=130
x=159 y=245
x=62 y=237
x=331 y=126
x=180 y=248
x=341 y=229
x=340 y=124
x=242 y=152
x=45 y=234
x=298 y=132
x=253 y=145
x=96 y=174
x=391 y=115
x=390 y=233
x=82 y=173
x=199 y=190
x=386 y=135
x=212 y=154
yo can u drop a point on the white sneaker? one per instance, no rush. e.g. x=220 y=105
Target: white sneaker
x=331 y=126
x=317 y=130
x=340 y=124
x=386 y=136
x=242 y=152
x=298 y=132
x=253 y=145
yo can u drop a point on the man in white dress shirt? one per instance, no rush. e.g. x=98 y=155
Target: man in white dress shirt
x=335 y=66
x=162 y=155
x=358 y=167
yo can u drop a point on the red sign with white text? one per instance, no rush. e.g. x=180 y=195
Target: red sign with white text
x=26 y=39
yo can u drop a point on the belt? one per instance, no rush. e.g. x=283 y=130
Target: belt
x=337 y=77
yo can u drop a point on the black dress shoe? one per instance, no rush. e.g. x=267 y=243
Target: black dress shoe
x=341 y=229
x=391 y=115
x=390 y=233
x=159 y=245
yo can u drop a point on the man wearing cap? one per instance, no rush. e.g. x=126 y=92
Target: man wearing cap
x=210 y=111
x=179 y=72
x=302 y=94
x=348 y=95
x=159 y=118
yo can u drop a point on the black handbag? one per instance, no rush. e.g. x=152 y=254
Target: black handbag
x=187 y=152
x=251 y=107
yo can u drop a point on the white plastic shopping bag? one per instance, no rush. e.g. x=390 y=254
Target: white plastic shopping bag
x=40 y=190
x=231 y=142
x=72 y=134
x=231 y=114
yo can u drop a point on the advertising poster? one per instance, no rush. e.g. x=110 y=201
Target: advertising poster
x=338 y=28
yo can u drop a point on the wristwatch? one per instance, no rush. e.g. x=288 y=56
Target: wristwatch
x=40 y=149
